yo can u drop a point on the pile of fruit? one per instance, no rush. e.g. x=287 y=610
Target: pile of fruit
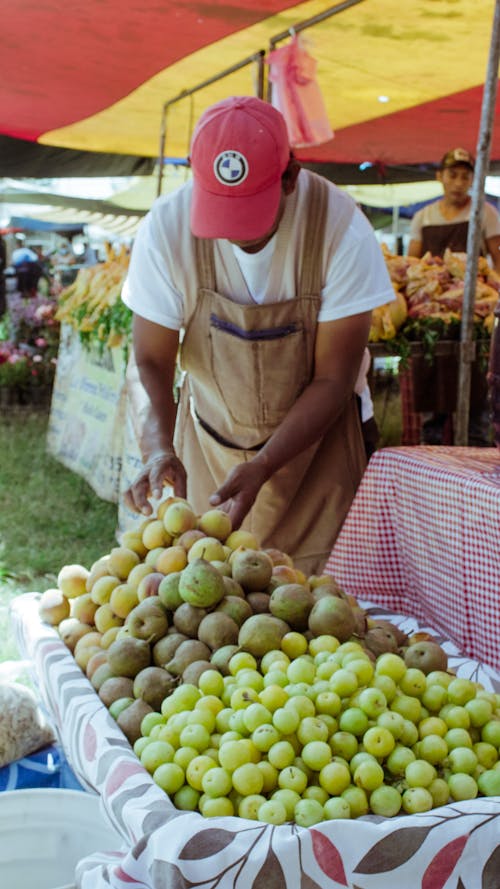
x=92 y=303
x=249 y=689
x=431 y=289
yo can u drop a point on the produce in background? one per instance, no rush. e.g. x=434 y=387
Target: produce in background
x=92 y=304
x=432 y=288
x=249 y=689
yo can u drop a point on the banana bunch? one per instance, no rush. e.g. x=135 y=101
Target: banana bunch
x=87 y=304
x=387 y=319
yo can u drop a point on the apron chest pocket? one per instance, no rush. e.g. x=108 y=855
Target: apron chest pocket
x=259 y=373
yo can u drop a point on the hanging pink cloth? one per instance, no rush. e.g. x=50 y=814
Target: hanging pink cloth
x=296 y=93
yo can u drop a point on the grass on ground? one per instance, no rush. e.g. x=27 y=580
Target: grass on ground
x=49 y=516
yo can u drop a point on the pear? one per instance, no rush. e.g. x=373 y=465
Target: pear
x=187 y=652
x=201 y=584
x=400 y=636
x=252 y=569
x=153 y=685
x=238 y=609
x=130 y=720
x=293 y=603
x=193 y=672
x=380 y=639
x=232 y=587
x=259 y=602
x=221 y=657
x=148 y=620
x=218 y=629
x=168 y=591
x=114 y=688
x=262 y=633
x=100 y=675
x=187 y=618
x=333 y=616
x=127 y=656
x=426 y=656
x=165 y=648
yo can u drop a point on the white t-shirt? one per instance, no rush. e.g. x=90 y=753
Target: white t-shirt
x=355 y=275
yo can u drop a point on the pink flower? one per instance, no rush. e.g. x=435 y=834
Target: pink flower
x=37 y=358
x=40 y=342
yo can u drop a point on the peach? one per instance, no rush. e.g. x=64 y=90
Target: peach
x=105 y=618
x=133 y=540
x=208 y=548
x=155 y=534
x=97 y=569
x=72 y=579
x=138 y=572
x=215 y=523
x=240 y=537
x=53 y=607
x=109 y=636
x=121 y=561
x=179 y=517
x=83 y=655
x=84 y=608
x=103 y=587
x=173 y=558
x=123 y=598
x=71 y=630
x=149 y=585
x=189 y=537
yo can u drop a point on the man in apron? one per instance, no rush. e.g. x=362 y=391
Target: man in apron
x=441 y=225
x=266 y=274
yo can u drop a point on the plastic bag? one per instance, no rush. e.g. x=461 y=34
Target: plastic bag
x=296 y=93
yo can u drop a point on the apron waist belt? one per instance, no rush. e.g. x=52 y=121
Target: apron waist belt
x=223 y=441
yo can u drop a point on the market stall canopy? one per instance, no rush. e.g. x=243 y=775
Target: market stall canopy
x=402 y=82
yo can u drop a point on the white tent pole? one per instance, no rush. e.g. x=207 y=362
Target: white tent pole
x=467 y=345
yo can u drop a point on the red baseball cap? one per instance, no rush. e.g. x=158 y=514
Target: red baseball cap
x=239 y=152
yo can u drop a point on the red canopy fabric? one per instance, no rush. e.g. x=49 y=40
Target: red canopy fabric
x=402 y=82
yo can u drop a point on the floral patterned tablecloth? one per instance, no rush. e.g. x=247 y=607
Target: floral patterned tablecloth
x=453 y=847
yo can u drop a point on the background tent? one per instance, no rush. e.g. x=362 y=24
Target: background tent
x=402 y=81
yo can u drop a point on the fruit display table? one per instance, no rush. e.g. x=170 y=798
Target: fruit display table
x=455 y=845
x=423 y=537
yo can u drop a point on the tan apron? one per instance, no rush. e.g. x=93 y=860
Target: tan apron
x=245 y=367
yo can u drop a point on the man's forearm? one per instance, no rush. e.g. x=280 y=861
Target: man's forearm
x=308 y=420
x=158 y=428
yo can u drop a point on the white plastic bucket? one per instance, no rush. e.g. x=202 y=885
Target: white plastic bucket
x=45 y=832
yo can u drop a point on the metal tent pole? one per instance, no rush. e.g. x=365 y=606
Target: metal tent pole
x=467 y=345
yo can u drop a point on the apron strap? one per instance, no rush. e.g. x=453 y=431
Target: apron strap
x=312 y=266
x=205 y=263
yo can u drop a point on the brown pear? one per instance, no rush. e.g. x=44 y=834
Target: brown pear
x=334 y=616
x=262 y=633
x=127 y=656
x=426 y=656
x=293 y=603
x=218 y=629
x=153 y=685
x=114 y=688
x=130 y=720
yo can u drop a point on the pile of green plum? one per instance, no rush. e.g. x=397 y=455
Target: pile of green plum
x=318 y=730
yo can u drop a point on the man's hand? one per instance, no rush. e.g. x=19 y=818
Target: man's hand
x=237 y=494
x=161 y=469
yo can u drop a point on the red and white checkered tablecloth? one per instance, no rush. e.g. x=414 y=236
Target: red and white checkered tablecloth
x=423 y=537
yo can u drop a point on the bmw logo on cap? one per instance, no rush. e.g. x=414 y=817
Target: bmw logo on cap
x=230 y=167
